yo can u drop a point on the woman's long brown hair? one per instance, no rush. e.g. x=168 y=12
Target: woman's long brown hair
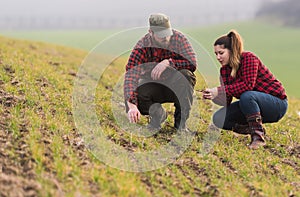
x=234 y=43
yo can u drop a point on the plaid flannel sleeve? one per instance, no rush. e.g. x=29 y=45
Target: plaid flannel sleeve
x=247 y=80
x=187 y=56
x=132 y=75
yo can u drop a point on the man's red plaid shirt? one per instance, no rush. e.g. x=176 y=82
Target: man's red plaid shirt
x=146 y=55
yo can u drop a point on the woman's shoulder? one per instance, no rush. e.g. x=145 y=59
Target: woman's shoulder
x=250 y=57
x=248 y=54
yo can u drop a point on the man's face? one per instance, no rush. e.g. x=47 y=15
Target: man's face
x=161 y=42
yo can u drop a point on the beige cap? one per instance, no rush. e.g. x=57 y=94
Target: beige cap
x=160 y=25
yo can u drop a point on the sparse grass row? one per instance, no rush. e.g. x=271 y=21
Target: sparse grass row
x=231 y=169
x=42 y=76
x=39 y=79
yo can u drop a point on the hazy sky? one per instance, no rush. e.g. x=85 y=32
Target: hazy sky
x=184 y=11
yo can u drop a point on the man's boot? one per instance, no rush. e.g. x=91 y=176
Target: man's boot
x=180 y=119
x=157 y=116
x=257 y=131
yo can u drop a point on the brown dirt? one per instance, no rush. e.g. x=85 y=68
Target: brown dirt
x=17 y=177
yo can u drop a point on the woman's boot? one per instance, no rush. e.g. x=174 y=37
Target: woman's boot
x=257 y=131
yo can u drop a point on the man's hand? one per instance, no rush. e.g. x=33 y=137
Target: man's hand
x=210 y=93
x=133 y=113
x=159 y=69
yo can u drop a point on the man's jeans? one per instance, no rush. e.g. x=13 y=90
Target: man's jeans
x=271 y=108
x=177 y=89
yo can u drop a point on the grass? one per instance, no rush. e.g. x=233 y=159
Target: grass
x=44 y=153
x=277 y=46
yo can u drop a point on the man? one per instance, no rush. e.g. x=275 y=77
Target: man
x=160 y=70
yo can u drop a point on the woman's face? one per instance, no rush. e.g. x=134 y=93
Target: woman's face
x=222 y=54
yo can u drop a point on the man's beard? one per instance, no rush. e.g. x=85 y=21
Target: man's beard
x=163 y=45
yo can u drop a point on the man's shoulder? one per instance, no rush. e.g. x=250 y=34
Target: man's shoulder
x=177 y=33
x=145 y=41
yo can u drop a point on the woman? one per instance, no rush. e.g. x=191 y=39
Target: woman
x=262 y=98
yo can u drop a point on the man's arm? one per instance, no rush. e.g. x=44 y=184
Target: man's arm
x=130 y=85
x=186 y=56
x=132 y=75
x=133 y=113
x=159 y=69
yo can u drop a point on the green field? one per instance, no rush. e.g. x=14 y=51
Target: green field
x=276 y=46
x=43 y=152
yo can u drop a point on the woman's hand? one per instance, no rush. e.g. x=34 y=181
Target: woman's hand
x=210 y=94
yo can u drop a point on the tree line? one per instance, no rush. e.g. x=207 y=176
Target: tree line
x=283 y=12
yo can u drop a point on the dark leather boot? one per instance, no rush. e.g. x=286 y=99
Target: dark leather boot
x=157 y=116
x=180 y=119
x=257 y=131
x=257 y=140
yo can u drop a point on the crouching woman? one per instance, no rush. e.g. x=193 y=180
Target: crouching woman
x=261 y=98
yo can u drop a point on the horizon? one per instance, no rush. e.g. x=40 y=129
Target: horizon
x=68 y=14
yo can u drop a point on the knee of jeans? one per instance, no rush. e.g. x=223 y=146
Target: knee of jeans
x=218 y=120
x=246 y=96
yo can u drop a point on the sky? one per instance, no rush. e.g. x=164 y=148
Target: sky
x=120 y=13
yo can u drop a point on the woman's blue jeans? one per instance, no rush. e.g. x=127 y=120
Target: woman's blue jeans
x=271 y=108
